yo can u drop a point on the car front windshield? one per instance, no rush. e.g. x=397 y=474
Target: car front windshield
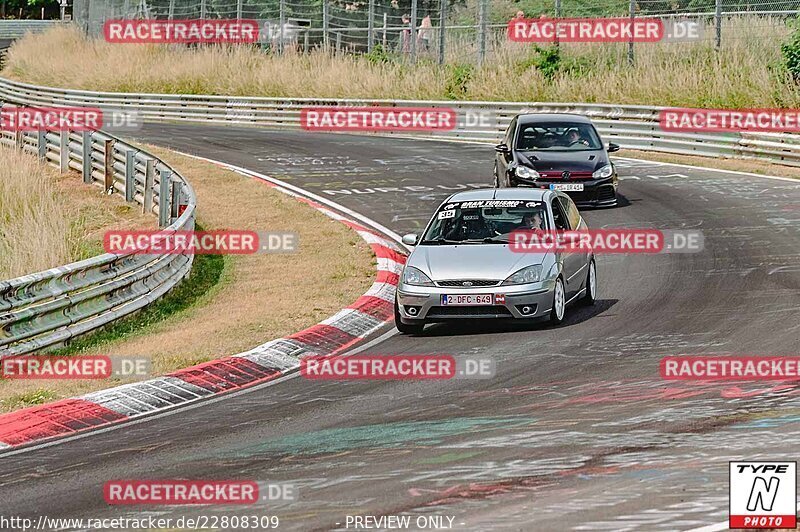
x=560 y=136
x=484 y=221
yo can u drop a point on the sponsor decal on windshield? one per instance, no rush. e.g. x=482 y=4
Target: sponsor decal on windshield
x=480 y=204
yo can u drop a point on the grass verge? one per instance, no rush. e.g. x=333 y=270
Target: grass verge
x=232 y=303
x=48 y=219
x=748 y=70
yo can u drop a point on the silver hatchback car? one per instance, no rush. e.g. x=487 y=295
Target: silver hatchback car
x=463 y=265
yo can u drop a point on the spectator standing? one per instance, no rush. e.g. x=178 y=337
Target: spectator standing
x=425 y=34
x=405 y=35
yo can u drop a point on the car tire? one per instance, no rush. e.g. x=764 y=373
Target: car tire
x=591 y=285
x=559 y=308
x=406 y=328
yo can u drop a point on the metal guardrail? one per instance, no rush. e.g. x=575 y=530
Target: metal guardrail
x=631 y=126
x=49 y=308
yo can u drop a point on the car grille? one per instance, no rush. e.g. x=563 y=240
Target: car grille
x=449 y=312
x=556 y=174
x=605 y=193
x=475 y=283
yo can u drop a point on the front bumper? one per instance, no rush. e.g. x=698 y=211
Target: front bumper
x=596 y=192
x=425 y=302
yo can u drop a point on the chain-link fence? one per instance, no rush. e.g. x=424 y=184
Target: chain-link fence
x=462 y=31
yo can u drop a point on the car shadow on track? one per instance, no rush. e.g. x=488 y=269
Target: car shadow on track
x=575 y=314
x=622 y=202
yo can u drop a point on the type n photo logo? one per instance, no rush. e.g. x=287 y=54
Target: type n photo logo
x=763 y=495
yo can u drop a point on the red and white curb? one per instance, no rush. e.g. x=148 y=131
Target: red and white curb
x=271 y=360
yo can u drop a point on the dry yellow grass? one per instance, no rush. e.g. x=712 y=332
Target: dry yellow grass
x=47 y=219
x=259 y=298
x=745 y=72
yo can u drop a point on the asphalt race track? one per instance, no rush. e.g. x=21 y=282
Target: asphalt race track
x=576 y=431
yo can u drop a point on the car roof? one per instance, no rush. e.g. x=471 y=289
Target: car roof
x=533 y=118
x=533 y=194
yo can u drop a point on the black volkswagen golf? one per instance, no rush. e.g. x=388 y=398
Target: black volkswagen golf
x=560 y=152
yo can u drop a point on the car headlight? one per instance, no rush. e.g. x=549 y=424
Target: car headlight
x=416 y=277
x=526 y=173
x=605 y=171
x=530 y=274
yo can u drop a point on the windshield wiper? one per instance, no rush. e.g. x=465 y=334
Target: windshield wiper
x=441 y=240
x=499 y=239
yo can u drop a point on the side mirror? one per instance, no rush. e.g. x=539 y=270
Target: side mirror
x=410 y=239
x=612 y=147
x=502 y=148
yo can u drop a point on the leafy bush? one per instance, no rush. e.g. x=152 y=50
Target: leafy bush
x=791 y=51
x=378 y=55
x=458 y=78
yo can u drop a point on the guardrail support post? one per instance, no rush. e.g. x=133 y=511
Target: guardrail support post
x=176 y=201
x=171 y=12
x=64 y=152
x=18 y=139
x=108 y=166
x=163 y=197
x=149 y=174
x=87 y=157
x=42 y=135
x=239 y=9
x=130 y=171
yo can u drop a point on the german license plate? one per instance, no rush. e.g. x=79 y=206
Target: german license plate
x=567 y=187
x=465 y=300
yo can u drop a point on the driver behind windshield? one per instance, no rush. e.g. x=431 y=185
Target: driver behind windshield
x=532 y=221
x=572 y=137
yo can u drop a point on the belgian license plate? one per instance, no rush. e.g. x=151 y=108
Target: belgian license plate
x=567 y=187
x=466 y=299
